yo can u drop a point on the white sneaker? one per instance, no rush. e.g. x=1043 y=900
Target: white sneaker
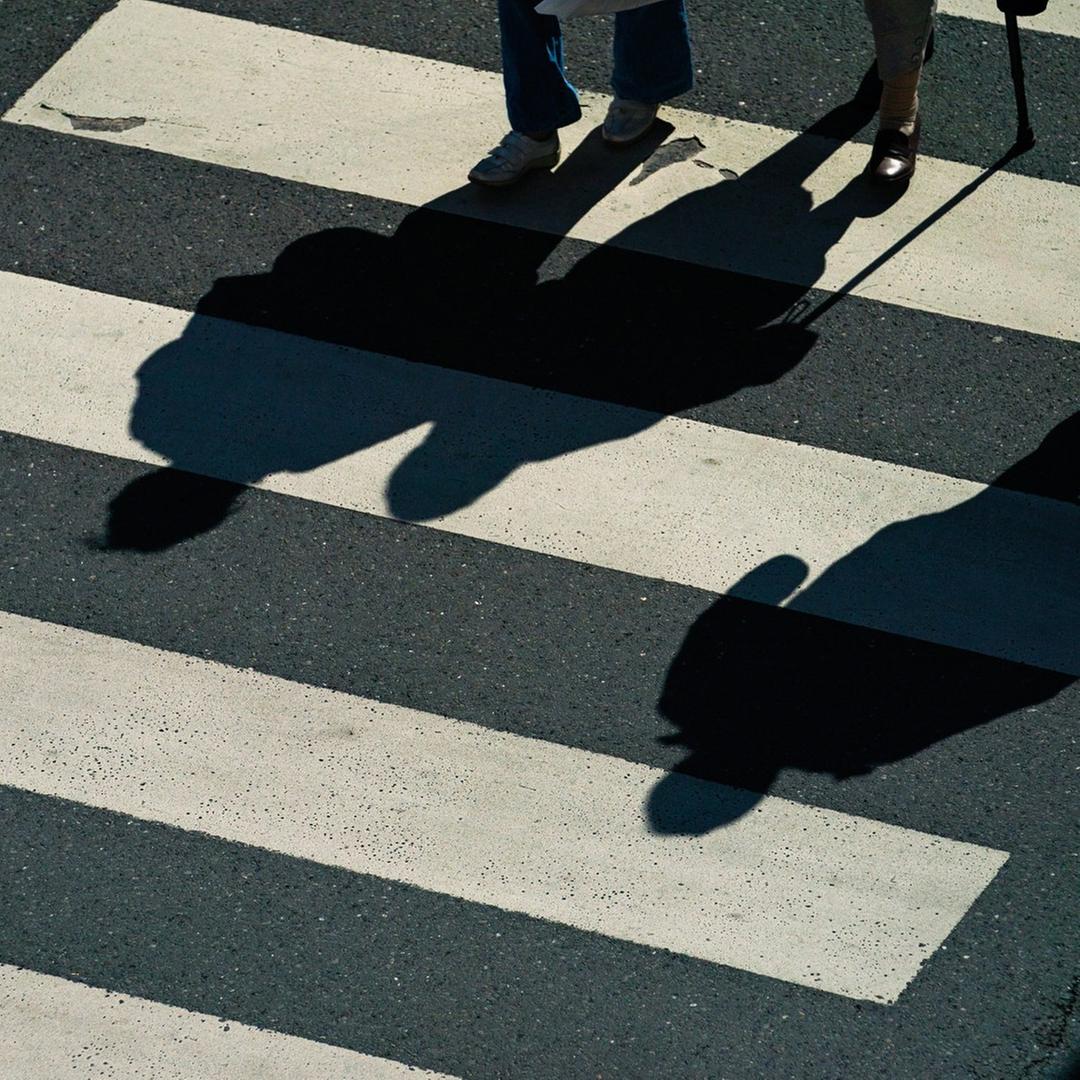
x=516 y=155
x=627 y=120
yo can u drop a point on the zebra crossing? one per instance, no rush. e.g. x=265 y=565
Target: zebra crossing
x=72 y=1027
x=442 y=806
x=355 y=737
x=252 y=115
x=605 y=485
x=1064 y=17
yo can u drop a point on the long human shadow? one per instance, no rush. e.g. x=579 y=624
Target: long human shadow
x=755 y=689
x=230 y=403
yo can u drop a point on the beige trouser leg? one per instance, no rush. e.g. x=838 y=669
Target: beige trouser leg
x=901 y=29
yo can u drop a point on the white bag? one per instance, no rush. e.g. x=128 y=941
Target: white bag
x=567 y=9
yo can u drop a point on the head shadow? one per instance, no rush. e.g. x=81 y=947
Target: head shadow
x=756 y=689
x=260 y=384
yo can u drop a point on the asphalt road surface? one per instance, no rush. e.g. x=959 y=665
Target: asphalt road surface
x=519 y=634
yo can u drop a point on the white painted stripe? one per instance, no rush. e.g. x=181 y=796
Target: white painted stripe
x=1061 y=17
x=894 y=548
x=811 y=896
x=398 y=127
x=51 y=1027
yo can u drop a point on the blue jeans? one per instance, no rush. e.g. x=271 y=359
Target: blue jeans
x=652 y=61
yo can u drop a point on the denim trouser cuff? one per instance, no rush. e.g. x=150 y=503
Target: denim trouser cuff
x=652 y=61
x=656 y=95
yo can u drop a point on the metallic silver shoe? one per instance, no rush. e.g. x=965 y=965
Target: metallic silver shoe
x=516 y=155
x=627 y=121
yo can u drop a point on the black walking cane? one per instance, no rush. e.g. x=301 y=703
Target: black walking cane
x=1025 y=140
x=1025 y=136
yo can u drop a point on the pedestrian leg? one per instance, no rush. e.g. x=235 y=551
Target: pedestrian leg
x=652 y=64
x=539 y=97
x=901 y=31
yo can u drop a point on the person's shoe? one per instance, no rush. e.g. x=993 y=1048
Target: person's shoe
x=892 y=160
x=627 y=121
x=516 y=155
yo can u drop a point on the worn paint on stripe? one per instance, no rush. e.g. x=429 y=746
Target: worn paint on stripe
x=1061 y=17
x=51 y=1027
x=910 y=552
x=810 y=896
x=398 y=127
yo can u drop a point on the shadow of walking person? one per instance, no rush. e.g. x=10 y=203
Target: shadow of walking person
x=755 y=690
x=256 y=386
x=235 y=400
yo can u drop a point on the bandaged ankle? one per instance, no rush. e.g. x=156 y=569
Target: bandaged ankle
x=900 y=102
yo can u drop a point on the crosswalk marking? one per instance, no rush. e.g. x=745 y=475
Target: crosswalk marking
x=807 y=895
x=179 y=826
x=889 y=547
x=1061 y=17
x=397 y=127
x=53 y=1027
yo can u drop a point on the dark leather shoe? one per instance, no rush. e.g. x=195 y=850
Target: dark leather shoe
x=892 y=161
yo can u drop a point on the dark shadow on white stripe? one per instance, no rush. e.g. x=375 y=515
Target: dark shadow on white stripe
x=766 y=62
x=228 y=403
x=521 y=642
x=752 y=696
x=882 y=381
